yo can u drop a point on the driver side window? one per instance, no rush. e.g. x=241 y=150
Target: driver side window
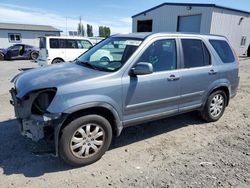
x=161 y=54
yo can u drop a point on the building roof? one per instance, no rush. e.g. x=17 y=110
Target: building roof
x=27 y=27
x=192 y=4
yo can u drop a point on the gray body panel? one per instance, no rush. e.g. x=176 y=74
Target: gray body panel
x=133 y=99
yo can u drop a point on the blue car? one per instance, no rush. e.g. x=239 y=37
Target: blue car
x=19 y=51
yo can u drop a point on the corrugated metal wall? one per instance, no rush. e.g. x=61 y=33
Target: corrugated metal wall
x=227 y=23
x=165 y=18
x=214 y=21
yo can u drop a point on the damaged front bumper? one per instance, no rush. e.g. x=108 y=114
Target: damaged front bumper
x=31 y=125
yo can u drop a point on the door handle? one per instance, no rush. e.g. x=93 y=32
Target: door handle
x=212 y=72
x=173 y=78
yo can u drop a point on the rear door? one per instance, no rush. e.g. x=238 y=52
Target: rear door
x=198 y=73
x=42 y=48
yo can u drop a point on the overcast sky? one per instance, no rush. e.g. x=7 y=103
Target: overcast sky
x=113 y=13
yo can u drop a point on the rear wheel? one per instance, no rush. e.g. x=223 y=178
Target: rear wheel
x=1 y=56
x=248 y=51
x=215 y=106
x=85 y=140
x=34 y=55
x=55 y=61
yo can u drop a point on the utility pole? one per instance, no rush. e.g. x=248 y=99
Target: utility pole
x=80 y=25
x=66 y=26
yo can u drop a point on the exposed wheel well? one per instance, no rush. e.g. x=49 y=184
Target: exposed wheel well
x=226 y=90
x=104 y=112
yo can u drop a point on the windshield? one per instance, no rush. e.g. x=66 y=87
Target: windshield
x=110 y=54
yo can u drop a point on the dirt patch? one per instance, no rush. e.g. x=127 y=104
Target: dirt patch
x=181 y=151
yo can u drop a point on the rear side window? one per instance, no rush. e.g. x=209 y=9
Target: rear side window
x=195 y=53
x=223 y=50
x=54 y=43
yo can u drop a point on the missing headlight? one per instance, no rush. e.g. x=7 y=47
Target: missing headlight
x=42 y=102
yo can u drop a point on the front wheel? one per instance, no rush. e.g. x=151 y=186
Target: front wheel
x=215 y=106
x=85 y=140
x=1 y=56
x=56 y=61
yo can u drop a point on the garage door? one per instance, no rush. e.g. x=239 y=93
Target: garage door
x=189 y=23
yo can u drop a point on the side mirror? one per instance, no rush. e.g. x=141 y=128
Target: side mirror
x=142 y=68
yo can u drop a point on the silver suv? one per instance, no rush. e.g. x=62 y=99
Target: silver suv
x=81 y=105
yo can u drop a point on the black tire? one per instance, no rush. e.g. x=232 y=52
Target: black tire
x=1 y=56
x=65 y=144
x=57 y=60
x=248 y=51
x=206 y=113
x=34 y=55
x=105 y=59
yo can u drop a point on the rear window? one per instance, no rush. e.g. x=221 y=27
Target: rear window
x=223 y=50
x=42 y=43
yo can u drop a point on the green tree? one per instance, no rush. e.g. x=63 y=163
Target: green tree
x=89 y=30
x=104 y=31
x=80 y=29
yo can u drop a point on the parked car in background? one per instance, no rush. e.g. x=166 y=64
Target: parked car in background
x=83 y=104
x=19 y=51
x=59 y=49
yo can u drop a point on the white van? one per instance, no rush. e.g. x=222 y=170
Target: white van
x=55 y=49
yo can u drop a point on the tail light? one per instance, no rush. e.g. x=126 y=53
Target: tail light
x=47 y=53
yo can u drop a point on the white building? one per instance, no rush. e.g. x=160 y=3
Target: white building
x=199 y=18
x=24 y=33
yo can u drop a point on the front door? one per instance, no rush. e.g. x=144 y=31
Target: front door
x=14 y=51
x=153 y=95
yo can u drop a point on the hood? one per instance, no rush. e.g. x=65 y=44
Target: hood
x=52 y=77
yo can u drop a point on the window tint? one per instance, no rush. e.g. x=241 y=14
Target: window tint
x=54 y=43
x=15 y=47
x=223 y=50
x=161 y=54
x=195 y=53
x=71 y=43
x=62 y=43
x=42 y=43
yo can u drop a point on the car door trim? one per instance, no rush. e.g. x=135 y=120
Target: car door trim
x=151 y=117
x=154 y=102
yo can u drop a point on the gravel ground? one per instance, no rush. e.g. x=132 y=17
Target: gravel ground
x=182 y=151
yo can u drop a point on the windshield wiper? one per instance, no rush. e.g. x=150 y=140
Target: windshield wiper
x=92 y=66
x=86 y=63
